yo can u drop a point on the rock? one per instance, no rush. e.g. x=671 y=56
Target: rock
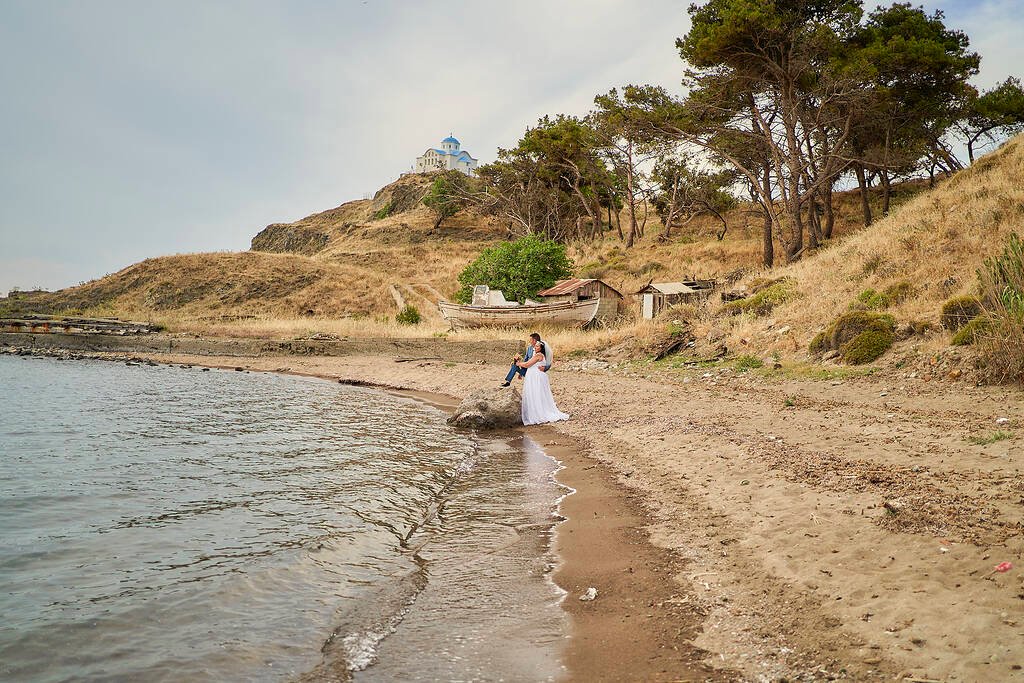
x=830 y=355
x=490 y=408
x=594 y=364
x=589 y=595
x=1002 y=420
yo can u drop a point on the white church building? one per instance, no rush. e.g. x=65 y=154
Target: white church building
x=447 y=157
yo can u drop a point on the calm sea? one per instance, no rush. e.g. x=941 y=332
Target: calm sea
x=170 y=524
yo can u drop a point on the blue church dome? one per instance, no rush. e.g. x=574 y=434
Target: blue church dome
x=450 y=139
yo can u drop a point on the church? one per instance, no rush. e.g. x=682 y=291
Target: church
x=447 y=157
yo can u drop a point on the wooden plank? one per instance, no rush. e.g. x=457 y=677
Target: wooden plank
x=431 y=310
x=397 y=296
x=438 y=296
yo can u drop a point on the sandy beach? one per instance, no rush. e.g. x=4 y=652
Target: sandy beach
x=747 y=528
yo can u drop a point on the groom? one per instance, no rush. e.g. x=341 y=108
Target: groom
x=515 y=369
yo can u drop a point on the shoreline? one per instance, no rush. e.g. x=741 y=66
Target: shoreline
x=598 y=539
x=839 y=528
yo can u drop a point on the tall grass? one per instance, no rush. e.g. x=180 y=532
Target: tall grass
x=1001 y=344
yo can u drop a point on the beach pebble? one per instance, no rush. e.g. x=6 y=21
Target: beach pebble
x=1002 y=420
x=589 y=595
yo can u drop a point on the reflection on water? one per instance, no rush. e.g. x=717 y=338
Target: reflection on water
x=168 y=524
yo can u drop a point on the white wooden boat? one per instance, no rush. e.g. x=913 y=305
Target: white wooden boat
x=560 y=313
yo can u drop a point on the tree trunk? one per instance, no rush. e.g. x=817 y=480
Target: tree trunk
x=795 y=244
x=768 y=236
x=864 y=203
x=631 y=235
x=768 y=252
x=814 y=224
x=830 y=215
x=886 y=192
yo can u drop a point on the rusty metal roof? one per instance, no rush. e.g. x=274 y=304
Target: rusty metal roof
x=569 y=286
x=564 y=287
x=668 y=288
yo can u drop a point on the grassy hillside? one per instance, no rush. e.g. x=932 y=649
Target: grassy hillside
x=931 y=248
x=334 y=264
x=332 y=271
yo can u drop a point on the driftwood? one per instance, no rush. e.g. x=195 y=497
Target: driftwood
x=409 y=360
x=674 y=344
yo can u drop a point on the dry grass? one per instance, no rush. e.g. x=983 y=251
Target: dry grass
x=937 y=241
x=934 y=240
x=564 y=341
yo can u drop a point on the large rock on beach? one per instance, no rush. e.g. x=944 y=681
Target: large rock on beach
x=492 y=408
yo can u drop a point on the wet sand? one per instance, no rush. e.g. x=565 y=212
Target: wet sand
x=799 y=528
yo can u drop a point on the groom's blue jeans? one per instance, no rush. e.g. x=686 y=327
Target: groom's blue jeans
x=513 y=371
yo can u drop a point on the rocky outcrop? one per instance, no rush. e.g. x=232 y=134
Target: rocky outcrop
x=283 y=238
x=492 y=408
x=405 y=194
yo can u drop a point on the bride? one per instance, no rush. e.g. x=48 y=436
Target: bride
x=538 y=403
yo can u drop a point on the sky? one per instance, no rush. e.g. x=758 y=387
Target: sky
x=130 y=130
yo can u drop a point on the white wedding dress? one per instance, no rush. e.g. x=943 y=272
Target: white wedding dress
x=538 y=403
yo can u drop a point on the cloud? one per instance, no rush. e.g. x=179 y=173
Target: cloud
x=136 y=129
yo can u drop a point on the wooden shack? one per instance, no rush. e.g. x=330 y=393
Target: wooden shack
x=656 y=296
x=578 y=289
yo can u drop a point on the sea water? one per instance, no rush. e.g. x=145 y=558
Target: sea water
x=169 y=523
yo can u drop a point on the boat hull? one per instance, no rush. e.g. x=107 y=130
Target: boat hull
x=559 y=314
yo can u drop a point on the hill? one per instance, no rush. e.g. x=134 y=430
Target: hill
x=335 y=264
x=931 y=249
x=333 y=271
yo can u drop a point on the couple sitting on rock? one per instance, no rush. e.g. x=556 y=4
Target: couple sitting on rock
x=538 y=403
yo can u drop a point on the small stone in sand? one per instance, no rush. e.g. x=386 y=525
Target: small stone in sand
x=589 y=595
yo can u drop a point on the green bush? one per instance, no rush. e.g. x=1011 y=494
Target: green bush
x=959 y=311
x=821 y=343
x=519 y=269
x=972 y=331
x=763 y=300
x=383 y=212
x=871 y=299
x=410 y=315
x=898 y=292
x=854 y=323
x=859 y=337
x=744 y=363
x=446 y=196
x=867 y=346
